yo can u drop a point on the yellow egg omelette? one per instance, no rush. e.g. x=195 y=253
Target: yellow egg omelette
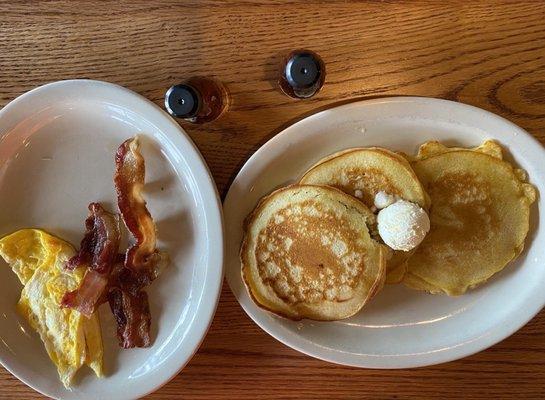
x=71 y=339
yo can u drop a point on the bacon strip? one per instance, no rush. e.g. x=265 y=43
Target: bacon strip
x=88 y=295
x=129 y=304
x=142 y=257
x=143 y=262
x=98 y=250
x=132 y=315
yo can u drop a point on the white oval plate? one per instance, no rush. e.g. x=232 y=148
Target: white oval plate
x=57 y=147
x=400 y=328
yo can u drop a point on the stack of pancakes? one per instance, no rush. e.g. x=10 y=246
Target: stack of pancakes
x=312 y=250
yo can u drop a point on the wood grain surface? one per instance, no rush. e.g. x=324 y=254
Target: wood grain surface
x=489 y=54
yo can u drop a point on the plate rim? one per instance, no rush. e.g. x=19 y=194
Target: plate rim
x=214 y=214
x=339 y=357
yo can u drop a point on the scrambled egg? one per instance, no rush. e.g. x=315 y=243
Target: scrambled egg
x=70 y=338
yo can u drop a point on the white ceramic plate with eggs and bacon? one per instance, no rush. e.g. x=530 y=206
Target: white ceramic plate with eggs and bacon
x=57 y=149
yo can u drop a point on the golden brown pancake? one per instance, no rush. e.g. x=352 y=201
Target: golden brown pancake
x=307 y=253
x=479 y=217
x=362 y=173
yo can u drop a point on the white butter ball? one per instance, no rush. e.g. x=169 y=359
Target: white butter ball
x=383 y=199
x=403 y=225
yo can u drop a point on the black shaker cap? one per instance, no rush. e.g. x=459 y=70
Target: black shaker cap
x=303 y=74
x=182 y=101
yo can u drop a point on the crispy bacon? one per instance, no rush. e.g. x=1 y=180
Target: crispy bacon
x=142 y=257
x=88 y=295
x=98 y=251
x=128 y=300
x=100 y=244
x=129 y=304
x=132 y=316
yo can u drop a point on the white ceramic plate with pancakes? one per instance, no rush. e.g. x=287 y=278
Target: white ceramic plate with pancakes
x=57 y=148
x=400 y=327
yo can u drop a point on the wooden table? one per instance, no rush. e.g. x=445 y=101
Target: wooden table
x=489 y=54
